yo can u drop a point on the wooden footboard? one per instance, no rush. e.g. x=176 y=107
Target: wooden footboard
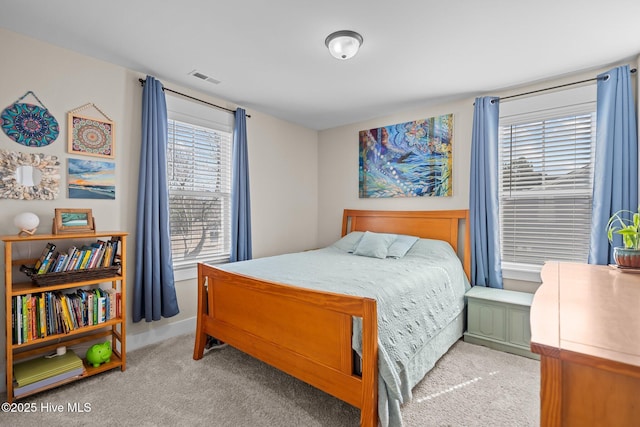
x=302 y=332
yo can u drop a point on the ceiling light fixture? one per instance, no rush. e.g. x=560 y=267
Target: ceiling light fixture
x=343 y=44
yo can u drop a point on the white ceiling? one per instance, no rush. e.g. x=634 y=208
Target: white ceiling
x=270 y=55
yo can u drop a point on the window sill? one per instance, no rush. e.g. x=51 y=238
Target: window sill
x=524 y=272
x=189 y=272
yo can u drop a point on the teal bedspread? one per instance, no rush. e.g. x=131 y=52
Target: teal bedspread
x=417 y=296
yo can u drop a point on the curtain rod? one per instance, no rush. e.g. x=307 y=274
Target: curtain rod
x=191 y=97
x=633 y=70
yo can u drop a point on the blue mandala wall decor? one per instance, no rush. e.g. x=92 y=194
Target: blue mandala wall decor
x=29 y=124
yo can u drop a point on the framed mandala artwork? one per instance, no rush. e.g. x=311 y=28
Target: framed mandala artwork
x=90 y=136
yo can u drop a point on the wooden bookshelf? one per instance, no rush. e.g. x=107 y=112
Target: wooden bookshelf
x=17 y=284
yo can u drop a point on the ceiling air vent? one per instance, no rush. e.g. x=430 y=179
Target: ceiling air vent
x=204 y=77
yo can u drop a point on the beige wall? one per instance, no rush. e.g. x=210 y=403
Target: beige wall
x=338 y=163
x=338 y=169
x=282 y=157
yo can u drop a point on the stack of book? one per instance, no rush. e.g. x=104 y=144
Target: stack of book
x=99 y=254
x=48 y=313
x=44 y=371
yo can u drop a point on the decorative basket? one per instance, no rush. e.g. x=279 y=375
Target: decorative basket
x=74 y=276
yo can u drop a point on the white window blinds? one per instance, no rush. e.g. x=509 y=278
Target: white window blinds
x=545 y=184
x=199 y=175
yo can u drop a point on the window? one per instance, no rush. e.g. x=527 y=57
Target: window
x=546 y=179
x=199 y=180
x=199 y=174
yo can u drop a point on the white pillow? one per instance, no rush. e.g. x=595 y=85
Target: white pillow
x=401 y=246
x=375 y=245
x=349 y=242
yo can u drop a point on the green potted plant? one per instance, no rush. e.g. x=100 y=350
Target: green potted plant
x=627 y=224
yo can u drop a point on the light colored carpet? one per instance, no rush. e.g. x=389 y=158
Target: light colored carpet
x=163 y=386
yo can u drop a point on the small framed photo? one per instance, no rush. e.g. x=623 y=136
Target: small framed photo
x=90 y=136
x=73 y=221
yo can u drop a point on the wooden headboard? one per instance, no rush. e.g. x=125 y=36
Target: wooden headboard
x=440 y=225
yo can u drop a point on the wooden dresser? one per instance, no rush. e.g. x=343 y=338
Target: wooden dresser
x=585 y=324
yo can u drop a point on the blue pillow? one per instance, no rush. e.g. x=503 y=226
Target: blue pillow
x=401 y=246
x=349 y=242
x=375 y=245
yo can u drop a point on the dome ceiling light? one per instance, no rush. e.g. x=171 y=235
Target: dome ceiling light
x=343 y=44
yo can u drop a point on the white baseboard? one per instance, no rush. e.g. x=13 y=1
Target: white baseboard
x=162 y=333
x=143 y=339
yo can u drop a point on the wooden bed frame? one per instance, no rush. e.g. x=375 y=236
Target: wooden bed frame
x=307 y=333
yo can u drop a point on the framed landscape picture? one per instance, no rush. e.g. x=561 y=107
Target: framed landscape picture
x=91 y=179
x=73 y=221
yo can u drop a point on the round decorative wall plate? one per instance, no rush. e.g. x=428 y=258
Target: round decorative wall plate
x=29 y=125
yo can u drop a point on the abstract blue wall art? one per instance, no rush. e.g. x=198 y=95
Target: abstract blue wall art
x=412 y=159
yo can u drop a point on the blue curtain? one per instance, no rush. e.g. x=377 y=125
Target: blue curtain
x=154 y=293
x=486 y=268
x=615 y=181
x=240 y=200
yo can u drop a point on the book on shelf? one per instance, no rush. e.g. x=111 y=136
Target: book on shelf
x=43 y=367
x=47 y=310
x=90 y=297
x=65 y=313
x=62 y=326
x=116 y=247
x=96 y=308
x=96 y=260
x=106 y=261
x=14 y=337
x=21 y=391
x=25 y=319
x=48 y=249
x=44 y=266
x=42 y=320
x=86 y=254
x=74 y=260
x=57 y=266
x=102 y=309
x=69 y=311
x=17 y=320
x=112 y=294
x=69 y=256
x=81 y=299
